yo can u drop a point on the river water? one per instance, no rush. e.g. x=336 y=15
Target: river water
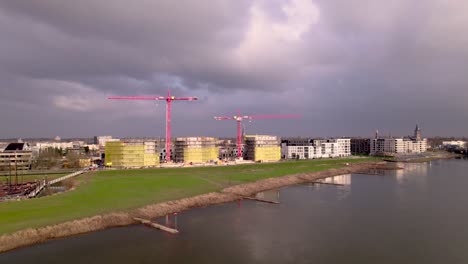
x=416 y=215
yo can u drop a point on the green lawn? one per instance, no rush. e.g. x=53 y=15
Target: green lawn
x=114 y=190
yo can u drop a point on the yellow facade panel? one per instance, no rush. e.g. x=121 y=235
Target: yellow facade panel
x=120 y=154
x=272 y=153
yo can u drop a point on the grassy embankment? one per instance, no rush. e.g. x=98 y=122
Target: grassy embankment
x=120 y=190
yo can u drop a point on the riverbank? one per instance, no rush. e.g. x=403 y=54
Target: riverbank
x=30 y=236
x=422 y=157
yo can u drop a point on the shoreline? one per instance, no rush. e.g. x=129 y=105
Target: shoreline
x=429 y=156
x=32 y=236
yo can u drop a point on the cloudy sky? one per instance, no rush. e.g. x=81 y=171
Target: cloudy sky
x=348 y=67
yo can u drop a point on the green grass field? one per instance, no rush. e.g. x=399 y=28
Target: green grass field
x=117 y=190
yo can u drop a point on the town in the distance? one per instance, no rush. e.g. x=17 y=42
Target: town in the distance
x=35 y=155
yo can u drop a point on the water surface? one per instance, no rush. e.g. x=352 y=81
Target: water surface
x=416 y=215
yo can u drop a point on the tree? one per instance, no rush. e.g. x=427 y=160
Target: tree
x=48 y=158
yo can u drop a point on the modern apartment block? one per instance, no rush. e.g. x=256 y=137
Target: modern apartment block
x=360 y=146
x=196 y=149
x=131 y=154
x=316 y=148
x=390 y=145
x=262 y=148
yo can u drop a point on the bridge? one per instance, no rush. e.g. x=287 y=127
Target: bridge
x=43 y=183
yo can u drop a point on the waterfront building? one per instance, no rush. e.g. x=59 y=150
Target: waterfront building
x=263 y=148
x=131 y=154
x=414 y=144
x=360 y=146
x=316 y=148
x=454 y=144
x=196 y=149
x=297 y=148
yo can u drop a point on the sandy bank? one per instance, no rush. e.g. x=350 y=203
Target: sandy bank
x=32 y=236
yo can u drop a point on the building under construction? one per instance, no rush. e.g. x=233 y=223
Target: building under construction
x=131 y=154
x=196 y=149
x=263 y=148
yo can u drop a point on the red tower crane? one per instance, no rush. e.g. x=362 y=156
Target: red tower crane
x=238 y=118
x=168 y=100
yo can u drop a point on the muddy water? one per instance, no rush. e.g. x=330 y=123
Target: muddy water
x=416 y=215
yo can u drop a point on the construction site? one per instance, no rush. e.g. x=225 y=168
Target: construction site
x=131 y=154
x=193 y=150
x=262 y=148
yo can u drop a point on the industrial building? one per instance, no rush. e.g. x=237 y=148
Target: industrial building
x=131 y=154
x=196 y=149
x=16 y=156
x=262 y=148
x=316 y=148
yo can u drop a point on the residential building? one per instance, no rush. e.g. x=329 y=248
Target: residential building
x=102 y=140
x=196 y=149
x=415 y=146
x=390 y=145
x=316 y=148
x=298 y=148
x=454 y=144
x=360 y=146
x=16 y=156
x=58 y=145
x=131 y=154
x=262 y=148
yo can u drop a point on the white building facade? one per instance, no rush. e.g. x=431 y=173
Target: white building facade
x=320 y=148
x=397 y=146
x=412 y=144
x=454 y=144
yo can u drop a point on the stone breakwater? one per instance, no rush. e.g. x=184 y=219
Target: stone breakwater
x=33 y=236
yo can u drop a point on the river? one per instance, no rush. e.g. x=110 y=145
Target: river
x=415 y=215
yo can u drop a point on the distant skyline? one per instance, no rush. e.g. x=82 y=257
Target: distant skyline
x=348 y=67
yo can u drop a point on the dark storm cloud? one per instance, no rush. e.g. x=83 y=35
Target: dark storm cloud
x=348 y=67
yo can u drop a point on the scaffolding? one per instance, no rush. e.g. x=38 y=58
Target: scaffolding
x=196 y=149
x=131 y=154
x=262 y=148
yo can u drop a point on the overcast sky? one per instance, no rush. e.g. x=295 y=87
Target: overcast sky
x=348 y=67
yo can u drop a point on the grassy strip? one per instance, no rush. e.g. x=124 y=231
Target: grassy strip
x=108 y=191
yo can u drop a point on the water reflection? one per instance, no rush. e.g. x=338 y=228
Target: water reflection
x=418 y=217
x=270 y=195
x=338 y=180
x=412 y=169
